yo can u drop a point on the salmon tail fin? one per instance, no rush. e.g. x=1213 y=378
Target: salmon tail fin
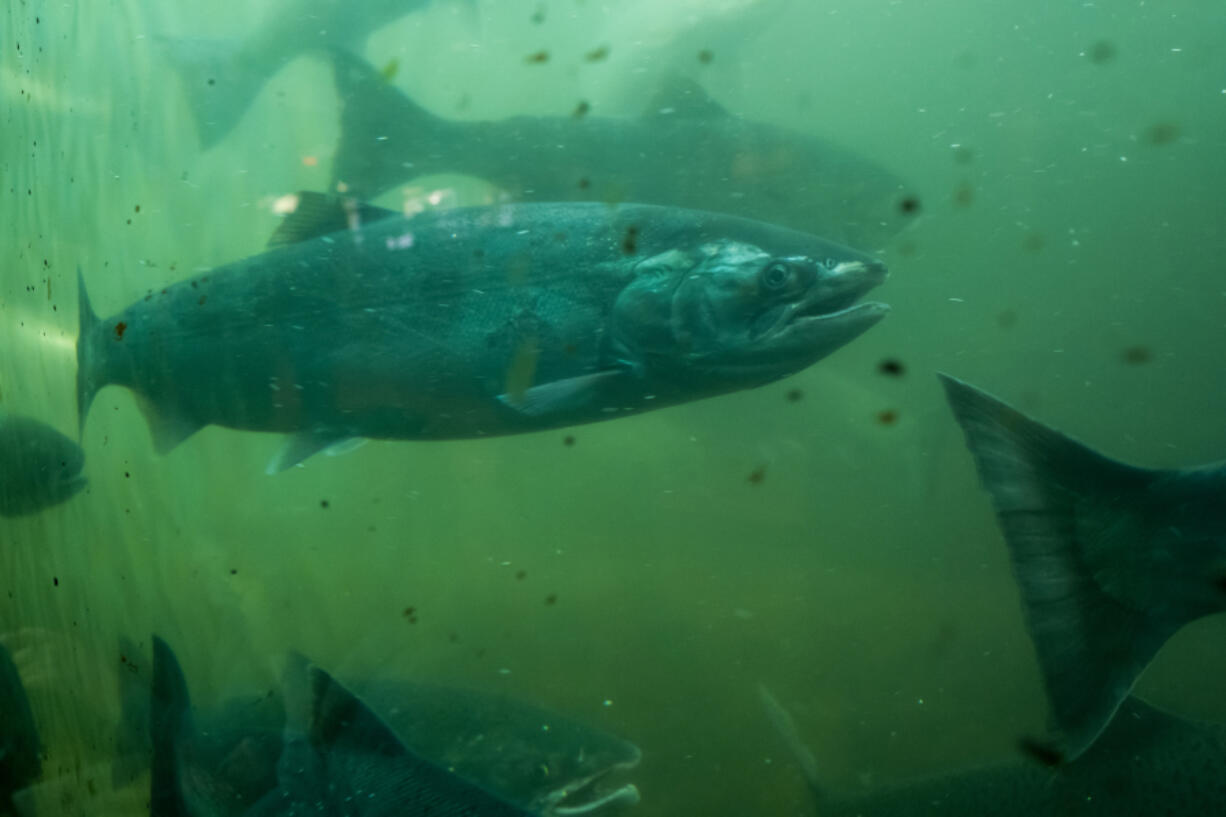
x=89 y=378
x=219 y=82
x=785 y=727
x=132 y=748
x=169 y=711
x=385 y=137
x=1082 y=541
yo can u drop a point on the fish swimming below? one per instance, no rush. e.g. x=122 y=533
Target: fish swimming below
x=1111 y=559
x=684 y=151
x=20 y=749
x=221 y=78
x=39 y=466
x=1146 y=762
x=224 y=761
x=476 y=322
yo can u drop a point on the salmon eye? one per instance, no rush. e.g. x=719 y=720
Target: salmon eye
x=776 y=276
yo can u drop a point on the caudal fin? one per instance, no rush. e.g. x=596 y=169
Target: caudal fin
x=132 y=748
x=385 y=138
x=88 y=375
x=20 y=750
x=169 y=713
x=785 y=726
x=219 y=82
x=1080 y=543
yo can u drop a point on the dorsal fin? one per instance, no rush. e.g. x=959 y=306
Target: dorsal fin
x=317 y=214
x=337 y=716
x=682 y=96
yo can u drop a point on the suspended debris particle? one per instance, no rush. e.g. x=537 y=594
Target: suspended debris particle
x=887 y=417
x=585 y=183
x=597 y=54
x=538 y=16
x=234 y=571
x=120 y=328
x=1040 y=752
x=705 y=56
x=581 y=110
x=1033 y=241
x=1163 y=133
x=537 y=58
x=757 y=475
x=964 y=194
x=389 y=71
x=55 y=580
x=551 y=599
x=568 y=440
x=323 y=503
x=1007 y=319
x=521 y=574
x=794 y=395
x=910 y=205
x=630 y=241
x=127 y=475
x=212 y=81
x=137 y=209
x=1137 y=355
x=1101 y=52
x=892 y=367
x=963 y=154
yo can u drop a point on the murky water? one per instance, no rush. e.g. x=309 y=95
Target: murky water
x=824 y=535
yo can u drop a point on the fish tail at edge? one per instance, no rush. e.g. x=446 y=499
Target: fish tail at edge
x=87 y=381
x=1072 y=523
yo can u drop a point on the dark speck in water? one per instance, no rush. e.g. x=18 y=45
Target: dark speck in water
x=137 y=208
x=757 y=475
x=1033 y=242
x=568 y=440
x=1007 y=319
x=538 y=16
x=323 y=503
x=538 y=58
x=794 y=395
x=234 y=571
x=892 y=367
x=521 y=574
x=964 y=194
x=1163 y=133
x=212 y=81
x=887 y=417
x=963 y=155
x=120 y=328
x=1101 y=52
x=581 y=110
x=1137 y=355
x=597 y=54
x=55 y=580
x=910 y=205
x=585 y=183
x=705 y=56
x=551 y=599
x=1040 y=752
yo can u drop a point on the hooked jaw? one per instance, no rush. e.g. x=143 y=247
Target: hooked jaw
x=828 y=316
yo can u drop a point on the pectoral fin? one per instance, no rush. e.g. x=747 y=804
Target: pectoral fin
x=304 y=445
x=574 y=394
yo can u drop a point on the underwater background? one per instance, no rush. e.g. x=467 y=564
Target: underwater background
x=824 y=535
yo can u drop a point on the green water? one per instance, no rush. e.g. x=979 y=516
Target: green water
x=1069 y=160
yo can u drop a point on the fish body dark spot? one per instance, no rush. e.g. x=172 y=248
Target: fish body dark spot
x=630 y=241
